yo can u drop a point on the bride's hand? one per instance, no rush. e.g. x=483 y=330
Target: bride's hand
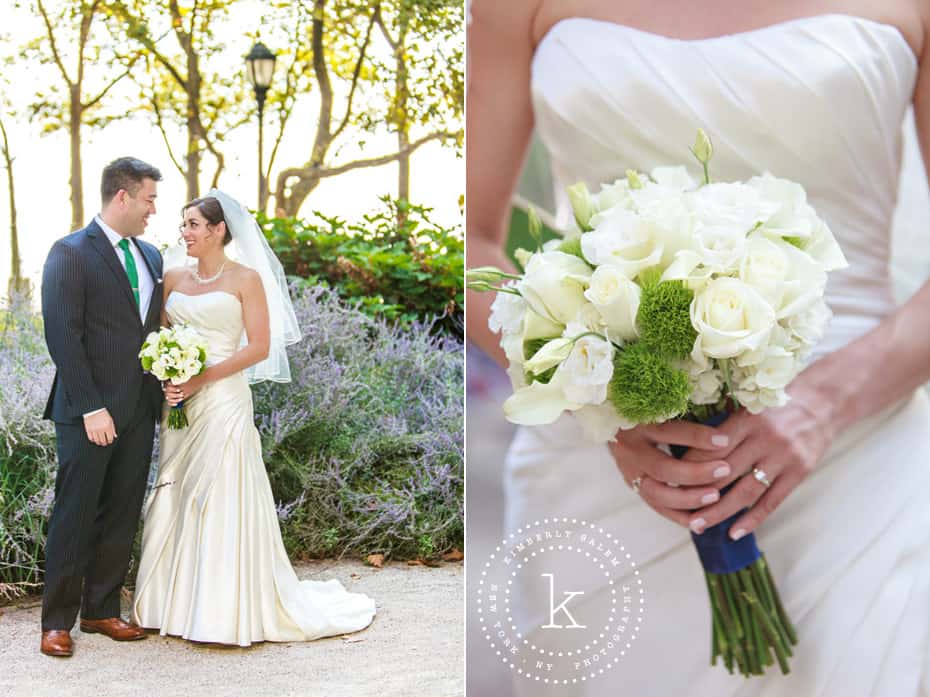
x=639 y=459
x=784 y=443
x=175 y=394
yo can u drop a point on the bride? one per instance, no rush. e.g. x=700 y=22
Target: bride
x=213 y=565
x=809 y=91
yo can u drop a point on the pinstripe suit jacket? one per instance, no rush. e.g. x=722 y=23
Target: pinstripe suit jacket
x=94 y=331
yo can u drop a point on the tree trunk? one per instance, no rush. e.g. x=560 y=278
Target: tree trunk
x=18 y=285
x=291 y=204
x=77 y=181
x=402 y=99
x=194 y=130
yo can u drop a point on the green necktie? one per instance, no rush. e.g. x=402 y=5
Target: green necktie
x=131 y=270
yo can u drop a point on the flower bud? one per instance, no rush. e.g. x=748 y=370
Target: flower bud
x=703 y=149
x=582 y=205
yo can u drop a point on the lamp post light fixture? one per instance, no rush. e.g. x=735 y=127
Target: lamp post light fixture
x=260 y=67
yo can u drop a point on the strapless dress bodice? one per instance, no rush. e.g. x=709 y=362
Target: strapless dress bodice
x=216 y=315
x=818 y=100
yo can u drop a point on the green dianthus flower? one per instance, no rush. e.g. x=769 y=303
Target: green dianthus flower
x=645 y=386
x=664 y=317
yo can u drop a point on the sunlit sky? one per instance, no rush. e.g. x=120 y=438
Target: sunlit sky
x=41 y=166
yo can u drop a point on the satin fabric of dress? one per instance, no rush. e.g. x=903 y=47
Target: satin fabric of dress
x=213 y=566
x=818 y=100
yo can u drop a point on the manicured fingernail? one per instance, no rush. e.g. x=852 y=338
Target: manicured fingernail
x=721 y=471
x=720 y=441
x=736 y=534
x=697 y=525
x=710 y=498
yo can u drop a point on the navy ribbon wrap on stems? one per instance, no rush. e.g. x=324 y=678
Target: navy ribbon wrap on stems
x=719 y=554
x=749 y=621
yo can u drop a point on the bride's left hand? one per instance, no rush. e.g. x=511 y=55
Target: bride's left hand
x=785 y=443
x=175 y=394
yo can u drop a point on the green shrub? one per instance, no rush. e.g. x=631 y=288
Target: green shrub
x=397 y=264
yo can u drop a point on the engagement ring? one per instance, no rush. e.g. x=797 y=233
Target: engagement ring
x=761 y=477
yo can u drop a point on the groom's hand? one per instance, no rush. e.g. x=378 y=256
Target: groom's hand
x=100 y=428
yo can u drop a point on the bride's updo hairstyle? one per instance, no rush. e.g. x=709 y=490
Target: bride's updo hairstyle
x=210 y=209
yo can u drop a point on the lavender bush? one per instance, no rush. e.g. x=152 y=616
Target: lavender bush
x=364 y=447
x=27 y=450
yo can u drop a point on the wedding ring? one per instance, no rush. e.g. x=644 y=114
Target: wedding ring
x=636 y=483
x=761 y=477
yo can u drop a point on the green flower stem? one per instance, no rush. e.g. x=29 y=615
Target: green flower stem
x=748 y=622
x=772 y=590
x=731 y=623
x=758 y=574
x=762 y=653
x=771 y=633
x=746 y=619
x=718 y=607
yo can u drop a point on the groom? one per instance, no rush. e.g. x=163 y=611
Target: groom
x=101 y=295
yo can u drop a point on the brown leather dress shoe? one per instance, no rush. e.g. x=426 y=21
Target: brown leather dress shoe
x=57 y=642
x=114 y=627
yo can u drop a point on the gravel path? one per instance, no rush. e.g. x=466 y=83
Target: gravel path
x=414 y=647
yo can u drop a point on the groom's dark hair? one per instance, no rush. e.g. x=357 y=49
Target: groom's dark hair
x=125 y=173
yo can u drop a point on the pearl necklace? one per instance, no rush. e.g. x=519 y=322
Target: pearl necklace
x=204 y=281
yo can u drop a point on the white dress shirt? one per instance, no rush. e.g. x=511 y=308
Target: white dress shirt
x=146 y=282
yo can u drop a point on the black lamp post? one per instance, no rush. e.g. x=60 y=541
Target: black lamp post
x=260 y=67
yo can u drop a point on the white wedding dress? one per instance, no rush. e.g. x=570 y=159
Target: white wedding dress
x=213 y=565
x=818 y=100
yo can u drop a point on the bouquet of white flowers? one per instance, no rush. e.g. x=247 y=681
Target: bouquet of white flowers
x=674 y=299
x=175 y=354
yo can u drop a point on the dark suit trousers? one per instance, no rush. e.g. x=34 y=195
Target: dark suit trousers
x=98 y=497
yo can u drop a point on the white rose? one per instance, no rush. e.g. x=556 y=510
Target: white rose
x=588 y=369
x=554 y=285
x=730 y=317
x=616 y=299
x=765 y=267
x=624 y=240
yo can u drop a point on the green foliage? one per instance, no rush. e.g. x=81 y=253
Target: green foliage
x=397 y=264
x=645 y=387
x=664 y=319
x=572 y=246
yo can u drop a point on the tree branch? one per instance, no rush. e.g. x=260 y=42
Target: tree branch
x=323 y=172
x=357 y=72
x=51 y=38
x=145 y=38
x=384 y=30
x=159 y=121
x=103 y=92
